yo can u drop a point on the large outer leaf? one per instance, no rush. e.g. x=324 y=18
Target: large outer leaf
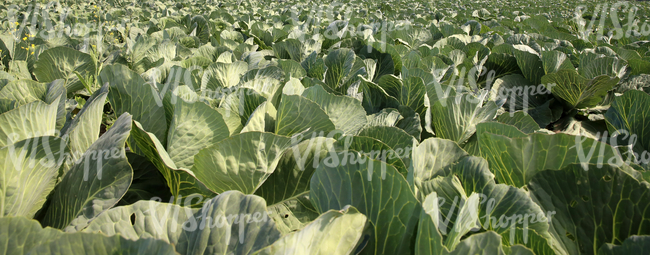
x=473 y=173
x=23 y=236
x=23 y=91
x=412 y=94
x=631 y=245
x=28 y=174
x=509 y=211
x=593 y=207
x=397 y=139
x=576 y=91
x=62 y=63
x=346 y=113
x=293 y=213
x=427 y=77
x=358 y=70
x=458 y=214
x=314 y=65
x=502 y=63
x=27 y=91
x=20 y=69
x=630 y=112
x=243 y=102
x=333 y=232
x=293 y=87
x=375 y=98
x=230 y=223
x=83 y=131
x=593 y=66
x=174 y=94
x=201 y=28
x=515 y=161
x=339 y=63
x=429 y=239
x=457 y=120
x=376 y=149
x=289 y=49
x=520 y=120
x=87 y=243
x=286 y=191
x=139 y=49
x=266 y=81
x=518 y=92
x=499 y=204
x=487 y=243
x=181 y=182
x=129 y=93
x=262 y=119
x=554 y=61
x=380 y=63
x=362 y=186
x=638 y=66
x=30 y=120
x=145 y=219
x=412 y=122
x=292 y=69
x=392 y=85
x=56 y=90
x=391 y=136
x=388 y=117
x=19 y=235
x=217 y=233
x=414 y=37
x=432 y=157
x=193 y=127
x=296 y=114
x=241 y=162
x=95 y=183
x=529 y=62
x=232 y=120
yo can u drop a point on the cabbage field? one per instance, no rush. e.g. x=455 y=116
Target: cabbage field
x=324 y=127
